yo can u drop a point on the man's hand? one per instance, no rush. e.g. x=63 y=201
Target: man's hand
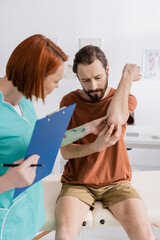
x=107 y=137
x=132 y=71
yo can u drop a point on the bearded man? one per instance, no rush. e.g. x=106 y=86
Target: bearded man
x=98 y=167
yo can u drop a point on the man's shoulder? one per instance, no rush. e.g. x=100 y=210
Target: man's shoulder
x=70 y=98
x=71 y=94
x=110 y=93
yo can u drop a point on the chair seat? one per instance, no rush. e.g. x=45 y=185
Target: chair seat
x=103 y=217
x=145 y=182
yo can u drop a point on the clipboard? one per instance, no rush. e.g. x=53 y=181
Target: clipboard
x=46 y=141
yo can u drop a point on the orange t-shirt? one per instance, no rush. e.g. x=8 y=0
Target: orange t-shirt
x=100 y=168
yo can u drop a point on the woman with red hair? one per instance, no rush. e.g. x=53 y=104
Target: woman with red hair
x=33 y=69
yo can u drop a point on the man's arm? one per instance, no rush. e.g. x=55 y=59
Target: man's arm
x=106 y=138
x=118 y=109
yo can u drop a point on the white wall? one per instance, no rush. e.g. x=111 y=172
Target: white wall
x=127 y=27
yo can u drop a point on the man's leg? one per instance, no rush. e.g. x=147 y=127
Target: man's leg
x=70 y=214
x=132 y=215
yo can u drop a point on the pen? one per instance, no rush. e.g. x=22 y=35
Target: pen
x=15 y=165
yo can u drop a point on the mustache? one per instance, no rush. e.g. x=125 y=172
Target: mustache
x=96 y=90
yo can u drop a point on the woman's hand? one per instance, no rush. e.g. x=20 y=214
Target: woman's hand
x=20 y=176
x=77 y=133
x=97 y=125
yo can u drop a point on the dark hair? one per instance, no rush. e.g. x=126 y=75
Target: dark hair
x=31 y=61
x=87 y=55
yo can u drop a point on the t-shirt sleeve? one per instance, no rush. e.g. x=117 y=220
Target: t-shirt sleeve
x=62 y=103
x=132 y=103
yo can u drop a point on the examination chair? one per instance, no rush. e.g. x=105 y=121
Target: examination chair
x=147 y=183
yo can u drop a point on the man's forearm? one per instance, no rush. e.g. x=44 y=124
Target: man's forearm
x=118 y=108
x=77 y=150
x=106 y=138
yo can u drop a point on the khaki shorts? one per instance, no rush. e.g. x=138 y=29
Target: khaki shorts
x=108 y=195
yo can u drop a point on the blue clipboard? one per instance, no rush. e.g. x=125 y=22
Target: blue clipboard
x=46 y=141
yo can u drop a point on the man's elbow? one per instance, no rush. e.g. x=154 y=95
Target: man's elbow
x=117 y=120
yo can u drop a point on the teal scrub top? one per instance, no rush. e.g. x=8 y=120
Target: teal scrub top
x=22 y=217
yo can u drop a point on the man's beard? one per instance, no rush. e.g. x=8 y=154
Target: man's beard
x=99 y=92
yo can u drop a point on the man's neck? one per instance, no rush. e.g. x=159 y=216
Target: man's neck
x=10 y=93
x=85 y=96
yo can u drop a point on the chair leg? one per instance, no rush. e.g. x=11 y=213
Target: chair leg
x=41 y=235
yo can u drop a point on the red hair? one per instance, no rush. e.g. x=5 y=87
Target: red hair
x=31 y=61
